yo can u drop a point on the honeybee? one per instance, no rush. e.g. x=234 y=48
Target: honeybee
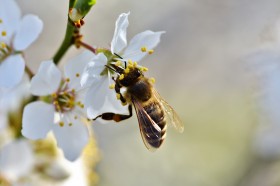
x=152 y=111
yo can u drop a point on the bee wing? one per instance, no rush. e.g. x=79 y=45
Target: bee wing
x=150 y=131
x=173 y=118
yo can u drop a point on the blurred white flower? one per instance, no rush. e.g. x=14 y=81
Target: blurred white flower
x=13 y=165
x=64 y=114
x=100 y=98
x=266 y=66
x=16 y=34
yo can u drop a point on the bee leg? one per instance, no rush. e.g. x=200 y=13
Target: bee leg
x=115 y=117
x=118 y=91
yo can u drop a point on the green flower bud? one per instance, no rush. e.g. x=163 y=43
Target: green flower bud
x=79 y=9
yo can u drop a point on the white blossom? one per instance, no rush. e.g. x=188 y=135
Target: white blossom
x=63 y=113
x=97 y=77
x=16 y=34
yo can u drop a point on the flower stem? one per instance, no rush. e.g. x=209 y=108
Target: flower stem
x=67 y=42
x=29 y=71
x=87 y=46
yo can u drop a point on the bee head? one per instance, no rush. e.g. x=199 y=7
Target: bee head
x=129 y=74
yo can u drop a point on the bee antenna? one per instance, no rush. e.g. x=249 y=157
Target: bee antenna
x=118 y=55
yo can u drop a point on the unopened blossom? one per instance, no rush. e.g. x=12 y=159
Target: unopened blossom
x=100 y=98
x=61 y=109
x=16 y=34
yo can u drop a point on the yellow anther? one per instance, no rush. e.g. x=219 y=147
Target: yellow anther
x=130 y=62
x=121 y=77
x=77 y=75
x=112 y=86
x=118 y=63
x=135 y=64
x=3 y=33
x=75 y=117
x=123 y=104
x=1 y=21
x=54 y=95
x=144 y=69
x=88 y=119
x=150 y=51
x=70 y=124
x=67 y=80
x=152 y=80
x=61 y=123
x=3 y=45
x=126 y=70
x=118 y=96
x=144 y=49
x=73 y=90
x=55 y=103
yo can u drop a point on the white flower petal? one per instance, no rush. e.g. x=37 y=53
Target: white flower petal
x=16 y=159
x=11 y=71
x=38 y=118
x=100 y=99
x=47 y=79
x=147 y=39
x=272 y=96
x=75 y=67
x=29 y=30
x=119 y=41
x=71 y=139
x=93 y=69
x=10 y=15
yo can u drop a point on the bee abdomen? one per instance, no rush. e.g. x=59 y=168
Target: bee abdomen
x=155 y=111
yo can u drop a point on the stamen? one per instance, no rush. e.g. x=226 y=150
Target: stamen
x=126 y=70
x=152 y=80
x=150 y=51
x=144 y=49
x=3 y=45
x=70 y=124
x=124 y=104
x=54 y=95
x=75 y=117
x=112 y=86
x=130 y=62
x=121 y=77
x=3 y=33
x=1 y=21
x=144 y=69
x=61 y=123
x=77 y=75
x=118 y=63
x=67 y=80
x=135 y=64
x=118 y=96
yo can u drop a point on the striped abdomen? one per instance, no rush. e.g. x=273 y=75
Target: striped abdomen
x=155 y=111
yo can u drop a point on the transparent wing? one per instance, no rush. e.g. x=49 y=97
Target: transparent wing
x=150 y=131
x=172 y=117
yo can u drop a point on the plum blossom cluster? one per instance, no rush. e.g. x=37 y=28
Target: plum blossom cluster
x=69 y=102
x=17 y=33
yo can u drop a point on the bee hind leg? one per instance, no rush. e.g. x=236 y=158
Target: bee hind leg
x=114 y=116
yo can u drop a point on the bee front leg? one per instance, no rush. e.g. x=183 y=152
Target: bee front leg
x=115 y=117
x=118 y=91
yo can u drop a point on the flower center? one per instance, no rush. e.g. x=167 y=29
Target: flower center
x=64 y=100
x=5 y=49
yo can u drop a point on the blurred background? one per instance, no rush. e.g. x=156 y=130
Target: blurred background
x=202 y=69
